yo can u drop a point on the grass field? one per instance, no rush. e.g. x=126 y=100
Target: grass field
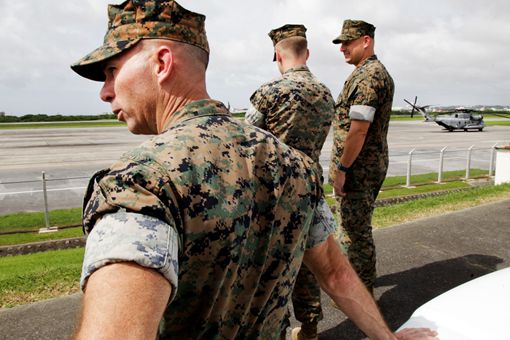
x=438 y=205
x=499 y=123
x=40 y=276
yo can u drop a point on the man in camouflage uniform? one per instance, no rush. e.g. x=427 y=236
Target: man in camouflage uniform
x=199 y=231
x=298 y=109
x=360 y=150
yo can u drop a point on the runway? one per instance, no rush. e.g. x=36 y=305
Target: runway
x=69 y=156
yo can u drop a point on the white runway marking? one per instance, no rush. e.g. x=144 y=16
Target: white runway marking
x=36 y=191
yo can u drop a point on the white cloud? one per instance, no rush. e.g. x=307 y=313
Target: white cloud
x=446 y=52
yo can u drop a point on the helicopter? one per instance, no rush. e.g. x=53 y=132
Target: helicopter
x=458 y=119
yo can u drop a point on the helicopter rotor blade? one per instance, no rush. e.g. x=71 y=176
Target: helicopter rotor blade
x=414 y=107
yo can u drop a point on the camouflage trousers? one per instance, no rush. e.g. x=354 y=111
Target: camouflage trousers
x=306 y=297
x=355 y=233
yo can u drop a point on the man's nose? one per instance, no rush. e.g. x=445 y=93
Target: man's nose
x=106 y=94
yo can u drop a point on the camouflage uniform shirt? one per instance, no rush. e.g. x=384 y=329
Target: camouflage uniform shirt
x=222 y=209
x=368 y=85
x=298 y=109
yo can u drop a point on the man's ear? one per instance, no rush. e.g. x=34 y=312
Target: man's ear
x=164 y=63
x=366 y=40
x=278 y=55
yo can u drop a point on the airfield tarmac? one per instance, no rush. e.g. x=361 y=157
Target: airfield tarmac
x=69 y=156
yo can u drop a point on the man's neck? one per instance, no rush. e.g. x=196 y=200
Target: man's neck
x=293 y=64
x=173 y=103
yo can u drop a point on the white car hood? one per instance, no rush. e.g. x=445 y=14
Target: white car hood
x=476 y=310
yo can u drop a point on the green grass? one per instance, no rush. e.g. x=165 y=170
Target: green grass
x=238 y=115
x=499 y=123
x=424 y=188
x=34 y=277
x=406 y=117
x=500 y=115
x=393 y=186
x=432 y=177
x=432 y=206
x=35 y=220
x=12 y=239
x=52 y=125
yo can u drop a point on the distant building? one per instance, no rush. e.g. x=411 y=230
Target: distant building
x=2 y=114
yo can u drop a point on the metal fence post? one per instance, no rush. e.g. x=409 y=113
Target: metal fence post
x=468 y=161
x=491 y=164
x=46 y=214
x=408 y=177
x=440 y=170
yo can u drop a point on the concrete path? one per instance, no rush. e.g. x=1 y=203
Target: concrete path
x=416 y=262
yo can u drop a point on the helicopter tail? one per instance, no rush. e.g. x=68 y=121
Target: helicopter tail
x=421 y=109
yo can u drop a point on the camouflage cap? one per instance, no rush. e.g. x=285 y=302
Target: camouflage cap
x=134 y=20
x=286 y=31
x=354 y=29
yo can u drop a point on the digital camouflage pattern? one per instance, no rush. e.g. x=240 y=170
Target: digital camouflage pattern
x=298 y=109
x=284 y=32
x=134 y=20
x=287 y=31
x=241 y=202
x=354 y=29
x=371 y=85
x=132 y=237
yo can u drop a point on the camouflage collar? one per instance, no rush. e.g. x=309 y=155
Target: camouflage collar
x=198 y=108
x=373 y=57
x=297 y=69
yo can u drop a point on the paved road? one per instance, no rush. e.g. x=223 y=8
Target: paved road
x=416 y=262
x=70 y=156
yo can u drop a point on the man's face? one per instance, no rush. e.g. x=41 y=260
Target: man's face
x=131 y=90
x=353 y=51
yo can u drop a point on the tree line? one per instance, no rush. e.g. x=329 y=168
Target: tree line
x=53 y=118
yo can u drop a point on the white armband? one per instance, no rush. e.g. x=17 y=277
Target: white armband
x=362 y=112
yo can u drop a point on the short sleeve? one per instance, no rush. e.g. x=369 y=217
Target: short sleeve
x=130 y=237
x=366 y=93
x=323 y=224
x=254 y=117
x=260 y=99
x=135 y=184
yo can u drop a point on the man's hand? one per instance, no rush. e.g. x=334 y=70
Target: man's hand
x=417 y=333
x=338 y=183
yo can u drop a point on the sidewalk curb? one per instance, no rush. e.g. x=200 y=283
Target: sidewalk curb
x=29 y=248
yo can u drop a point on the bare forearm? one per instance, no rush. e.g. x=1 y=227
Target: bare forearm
x=357 y=303
x=354 y=142
x=337 y=278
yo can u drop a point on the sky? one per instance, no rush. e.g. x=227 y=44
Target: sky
x=446 y=52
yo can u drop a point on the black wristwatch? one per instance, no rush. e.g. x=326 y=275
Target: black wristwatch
x=342 y=168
